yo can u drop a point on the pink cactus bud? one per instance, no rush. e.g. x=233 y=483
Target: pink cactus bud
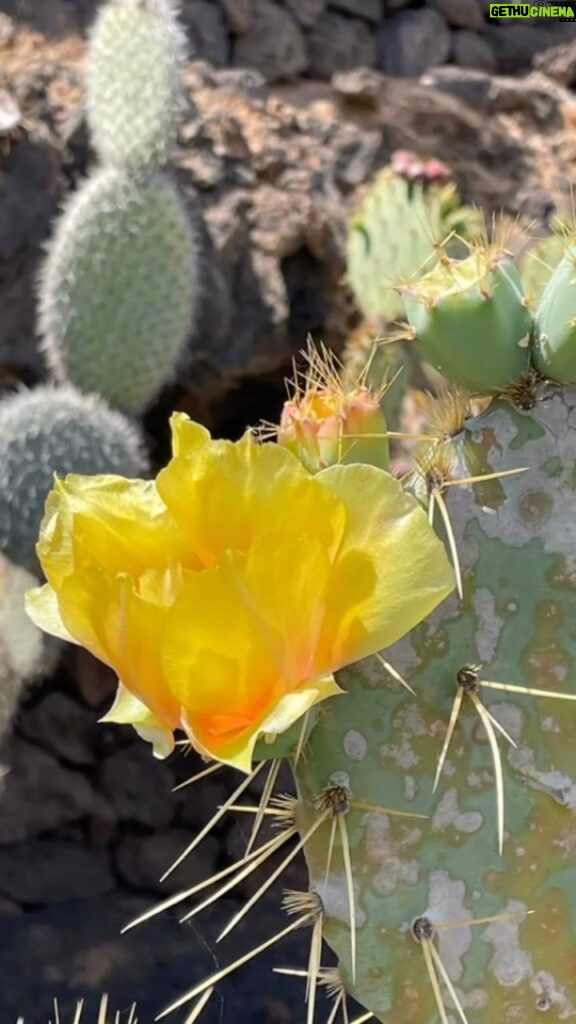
x=435 y=172
x=326 y=427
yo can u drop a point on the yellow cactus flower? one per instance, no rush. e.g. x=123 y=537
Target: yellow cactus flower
x=227 y=593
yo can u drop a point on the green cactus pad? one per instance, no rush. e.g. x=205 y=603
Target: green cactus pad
x=135 y=55
x=393 y=234
x=555 y=345
x=54 y=430
x=540 y=261
x=515 y=626
x=119 y=288
x=471 y=322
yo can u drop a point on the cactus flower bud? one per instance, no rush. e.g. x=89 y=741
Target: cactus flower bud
x=327 y=425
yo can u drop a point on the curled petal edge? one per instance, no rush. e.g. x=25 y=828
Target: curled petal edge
x=238 y=751
x=128 y=710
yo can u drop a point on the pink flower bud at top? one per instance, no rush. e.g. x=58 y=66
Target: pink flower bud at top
x=435 y=172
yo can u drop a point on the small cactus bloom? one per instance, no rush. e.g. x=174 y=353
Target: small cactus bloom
x=226 y=593
x=325 y=424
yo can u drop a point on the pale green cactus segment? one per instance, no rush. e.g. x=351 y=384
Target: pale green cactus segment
x=393 y=234
x=135 y=56
x=471 y=322
x=48 y=431
x=516 y=538
x=555 y=342
x=539 y=262
x=119 y=288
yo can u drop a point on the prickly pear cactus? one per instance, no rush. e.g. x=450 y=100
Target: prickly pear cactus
x=540 y=261
x=48 y=431
x=393 y=233
x=483 y=886
x=135 y=56
x=119 y=288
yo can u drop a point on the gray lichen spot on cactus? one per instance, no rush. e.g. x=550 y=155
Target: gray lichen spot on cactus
x=504 y=925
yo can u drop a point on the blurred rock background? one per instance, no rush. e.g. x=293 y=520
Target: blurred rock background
x=291 y=108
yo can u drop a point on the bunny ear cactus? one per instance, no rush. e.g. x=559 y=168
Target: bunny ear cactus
x=119 y=288
x=135 y=58
x=54 y=431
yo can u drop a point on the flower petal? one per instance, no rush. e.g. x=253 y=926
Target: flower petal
x=107 y=522
x=225 y=494
x=41 y=604
x=128 y=710
x=218 y=653
x=108 y=617
x=187 y=436
x=244 y=633
x=391 y=570
x=237 y=749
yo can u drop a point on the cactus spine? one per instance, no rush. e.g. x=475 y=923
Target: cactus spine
x=119 y=288
x=469 y=910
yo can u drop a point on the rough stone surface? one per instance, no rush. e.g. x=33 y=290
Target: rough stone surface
x=74 y=950
x=239 y=15
x=273 y=44
x=371 y=10
x=411 y=42
x=52 y=871
x=33 y=162
x=206 y=28
x=306 y=12
x=472 y=86
x=61 y=726
x=559 y=63
x=534 y=98
x=39 y=794
x=362 y=86
x=517 y=46
x=138 y=786
x=141 y=861
x=460 y=13
x=471 y=50
x=336 y=43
